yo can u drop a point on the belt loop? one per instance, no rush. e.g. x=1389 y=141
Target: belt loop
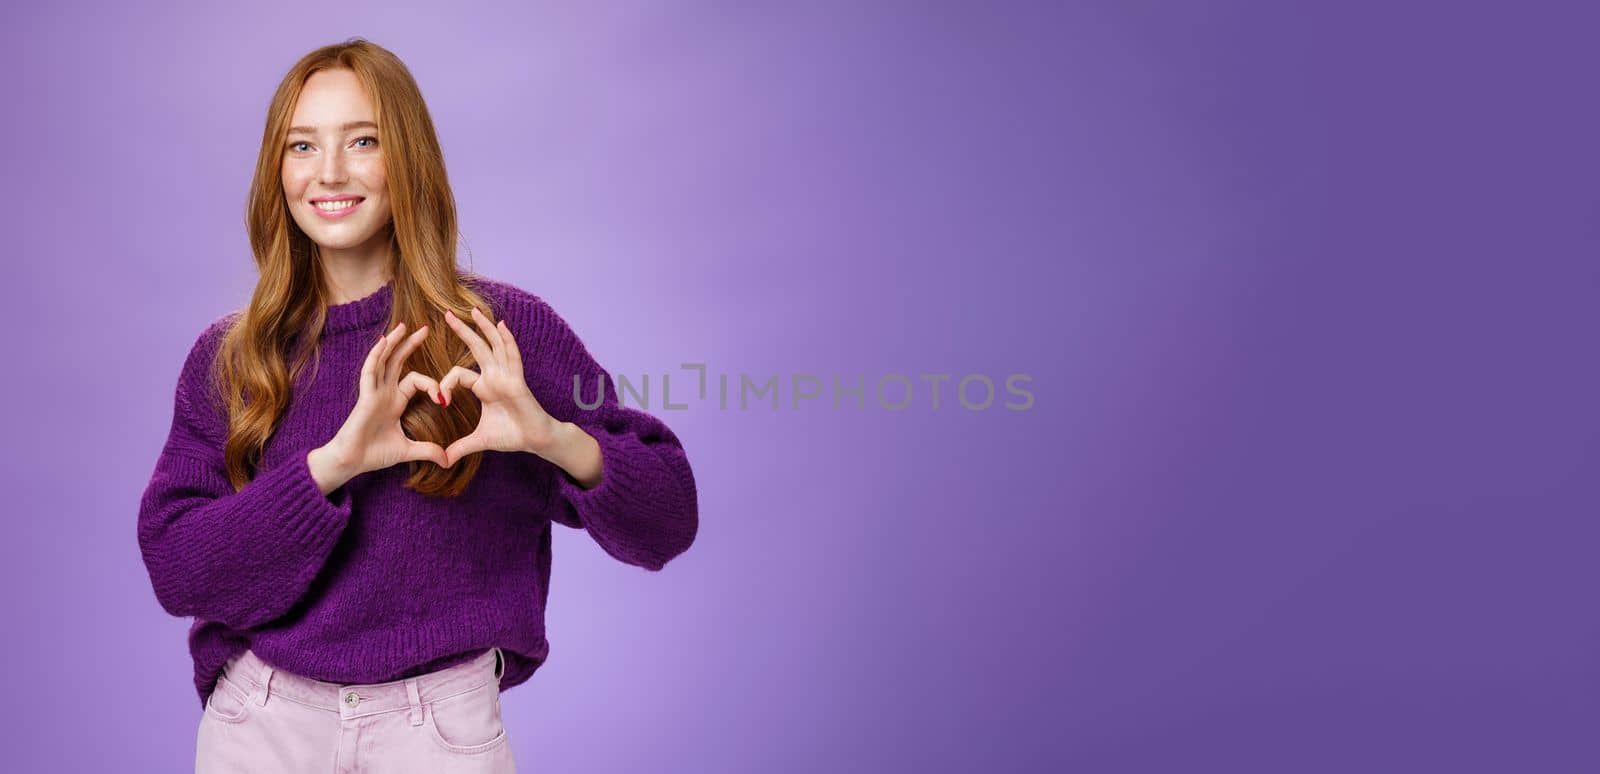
x=266 y=684
x=499 y=664
x=416 y=701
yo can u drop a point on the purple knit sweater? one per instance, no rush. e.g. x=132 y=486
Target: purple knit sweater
x=375 y=582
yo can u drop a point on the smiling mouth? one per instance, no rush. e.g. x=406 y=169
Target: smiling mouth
x=338 y=206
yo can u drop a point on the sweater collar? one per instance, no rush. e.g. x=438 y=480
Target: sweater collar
x=362 y=312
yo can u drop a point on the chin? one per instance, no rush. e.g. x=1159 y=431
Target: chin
x=342 y=244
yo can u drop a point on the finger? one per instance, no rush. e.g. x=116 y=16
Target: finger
x=491 y=333
x=467 y=444
x=513 y=352
x=429 y=451
x=370 y=365
x=397 y=361
x=415 y=381
x=480 y=349
x=381 y=368
x=461 y=375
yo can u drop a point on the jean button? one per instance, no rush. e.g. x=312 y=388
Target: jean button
x=352 y=699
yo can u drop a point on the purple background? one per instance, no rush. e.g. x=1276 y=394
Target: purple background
x=1308 y=297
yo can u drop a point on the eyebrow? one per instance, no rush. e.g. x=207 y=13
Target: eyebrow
x=346 y=127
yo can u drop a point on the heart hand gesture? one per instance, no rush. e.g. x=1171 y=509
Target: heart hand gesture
x=512 y=419
x=371 y=437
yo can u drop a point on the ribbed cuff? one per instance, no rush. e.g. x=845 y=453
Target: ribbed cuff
x=312 y=519
x=608 y=496
x=639 y=512
x=243 y=558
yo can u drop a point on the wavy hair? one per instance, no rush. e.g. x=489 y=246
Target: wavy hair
x=288 y=304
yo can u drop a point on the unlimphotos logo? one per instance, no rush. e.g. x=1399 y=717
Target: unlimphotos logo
x=886 y=392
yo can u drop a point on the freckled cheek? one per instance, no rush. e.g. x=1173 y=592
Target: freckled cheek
x=370 y=172
x=294 y=182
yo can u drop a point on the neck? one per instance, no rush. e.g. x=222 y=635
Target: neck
x=354 y=273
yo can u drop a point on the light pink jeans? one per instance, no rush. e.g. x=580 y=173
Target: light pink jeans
x=264 y=720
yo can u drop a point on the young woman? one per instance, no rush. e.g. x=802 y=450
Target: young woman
x=356 y=496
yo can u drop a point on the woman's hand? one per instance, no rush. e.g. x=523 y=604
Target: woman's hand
x=371 y=438
x=512 y=419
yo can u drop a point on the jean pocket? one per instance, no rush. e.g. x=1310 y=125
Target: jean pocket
x=468 y=722
x=229 y=702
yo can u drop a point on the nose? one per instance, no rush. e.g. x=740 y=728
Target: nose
x=331 y=171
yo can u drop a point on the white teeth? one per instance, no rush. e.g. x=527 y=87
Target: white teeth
x=341 y=205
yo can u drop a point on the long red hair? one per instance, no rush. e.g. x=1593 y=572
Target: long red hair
x=251 y=367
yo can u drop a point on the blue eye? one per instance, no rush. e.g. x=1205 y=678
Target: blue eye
x=295 y=146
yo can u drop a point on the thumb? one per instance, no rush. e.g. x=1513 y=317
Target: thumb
x=427 y=450
x=467 y=444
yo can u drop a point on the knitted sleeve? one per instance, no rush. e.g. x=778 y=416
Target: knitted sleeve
x=645 y=509
x=240 y=558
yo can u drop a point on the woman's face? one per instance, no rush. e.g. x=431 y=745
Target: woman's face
x=333 y=153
